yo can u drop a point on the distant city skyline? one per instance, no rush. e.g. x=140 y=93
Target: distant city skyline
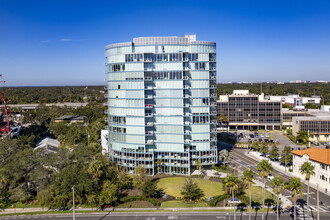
x=54 y=43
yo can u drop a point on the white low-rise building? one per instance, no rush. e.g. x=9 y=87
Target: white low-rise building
x=49 y=144
x=320 y=159
x=104 y=141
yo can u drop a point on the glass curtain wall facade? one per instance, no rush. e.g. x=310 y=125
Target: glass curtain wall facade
x=162 y=103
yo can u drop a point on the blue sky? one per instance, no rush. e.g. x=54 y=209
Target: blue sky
x=55 y=42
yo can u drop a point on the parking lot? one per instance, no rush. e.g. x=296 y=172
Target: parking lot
x=269 y=137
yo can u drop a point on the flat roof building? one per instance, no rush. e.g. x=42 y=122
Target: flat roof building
x=296 y=101
x=162 y=103
x=243 y=110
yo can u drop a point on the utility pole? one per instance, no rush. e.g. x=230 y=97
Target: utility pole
x=73 y=208
x=318 y=203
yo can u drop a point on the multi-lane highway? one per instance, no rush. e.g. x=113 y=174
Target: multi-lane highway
x=161 y=216
x=242 y=162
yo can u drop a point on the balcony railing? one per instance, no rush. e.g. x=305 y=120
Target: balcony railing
x=212 y=59
x=185 y=59
x=149 y=142
x=148 y=78
x=149 y=115
x=213 y=86
x=148 y=106
x=149 y=124
x=212 y=68
x=106 y=111
x=212 y=77
x=148 y=96
x=186 y=78
x=148 y=87
x=148 y=60
x=213 y=113
x=149 y=133
x=148 y=69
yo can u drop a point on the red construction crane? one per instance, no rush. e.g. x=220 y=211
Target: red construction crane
x=4 y=128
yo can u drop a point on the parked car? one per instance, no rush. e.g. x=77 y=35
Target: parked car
x=270 y=176
x=267 y=140
x=316 y=143
x=250 y=141
x=271 y=141
x=262 y=136
x=251 y=136
x=267 y=135
x=260 y=139
x=257 y=135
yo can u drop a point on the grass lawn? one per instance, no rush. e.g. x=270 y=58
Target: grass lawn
x=256 y=192
x=172 y=186
x=136 y=204
x=180 y=204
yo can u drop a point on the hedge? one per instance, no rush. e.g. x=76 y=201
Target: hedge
x=153 y=201
x=217 y=199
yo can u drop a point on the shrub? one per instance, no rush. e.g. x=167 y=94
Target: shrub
x=217 y=199
x=153 y=201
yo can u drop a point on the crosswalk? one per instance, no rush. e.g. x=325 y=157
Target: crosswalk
x=303 y=214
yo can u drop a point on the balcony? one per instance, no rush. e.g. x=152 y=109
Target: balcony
x=212 y=68
x=148 y=87
x=105 y=87
x=148 y=115
x=213 y=121
x=106 y=119
x=213 y=104
x=186 y=78
x=148 y=124
x=148 y=96
x=149 y=106
x=213 y=131
x=212 y=59
x=149 y=133
x=212 y=77
x=185 y=59
x=149 y=142
x=187 y=114
x=106 y=96
x=187 y=96
x=213 y=139
x=213 y=95
x=147 y=60
x=213 y=86
x=213 y=113
x=187 y=132
x=187 y=123
x=186 y=87
x=106 y=112
x=187 y=141
x=148 y=78
x=148 y=69
x=105 y=104
x=185 y=68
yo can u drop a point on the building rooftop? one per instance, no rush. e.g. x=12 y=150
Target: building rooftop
x=186 y=40
x=50 y=144
x=70 y=117
x=320 y=155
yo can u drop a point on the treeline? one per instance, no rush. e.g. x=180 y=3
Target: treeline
x=303 y=89
x=22 y=95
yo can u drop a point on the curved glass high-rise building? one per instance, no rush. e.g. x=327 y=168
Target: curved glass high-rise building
x=162 y=103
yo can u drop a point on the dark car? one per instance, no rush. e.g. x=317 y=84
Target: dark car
x=267 y=140
x=260 y=140
x=251 y=136
x=271 y=141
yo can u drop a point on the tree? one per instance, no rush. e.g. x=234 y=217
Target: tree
x=191 y=191
x=231 y=184
x=159 y=163
x=286 y=156
x=247 y=178
x=256 y=146
x=302 y=137
x=140 y=174
x=274 y=152
x=108 y=194
x=264 y=149
x=149 y=189
x=224 y=156
x=95 y=169
x=307 y=169
x=123 y=180
x=295 y=186
x=264 y=167
x=277 y=183
x=199 y=165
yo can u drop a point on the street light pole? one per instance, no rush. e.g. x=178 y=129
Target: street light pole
x=73 y=208
x=318 y=203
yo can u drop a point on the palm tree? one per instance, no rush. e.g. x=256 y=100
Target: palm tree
x=248 y=180
x=264 y=167
x=277 y=183
x=231 y=185
x=95 y=169
x=295 y=186
x=159 y=164
x=308 y=169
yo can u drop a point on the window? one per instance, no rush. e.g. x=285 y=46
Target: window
x=118 y=86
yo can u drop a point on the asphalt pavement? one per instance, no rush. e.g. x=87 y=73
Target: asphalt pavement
x=164 y=216
x=242 y=162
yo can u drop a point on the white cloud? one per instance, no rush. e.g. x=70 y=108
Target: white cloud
x=65 y=39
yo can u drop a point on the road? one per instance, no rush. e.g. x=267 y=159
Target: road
x=242 y=162
x=161 y=216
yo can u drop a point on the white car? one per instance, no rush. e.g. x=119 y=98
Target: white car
x=270 y=176
x=267 y=135
x=262 y=136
